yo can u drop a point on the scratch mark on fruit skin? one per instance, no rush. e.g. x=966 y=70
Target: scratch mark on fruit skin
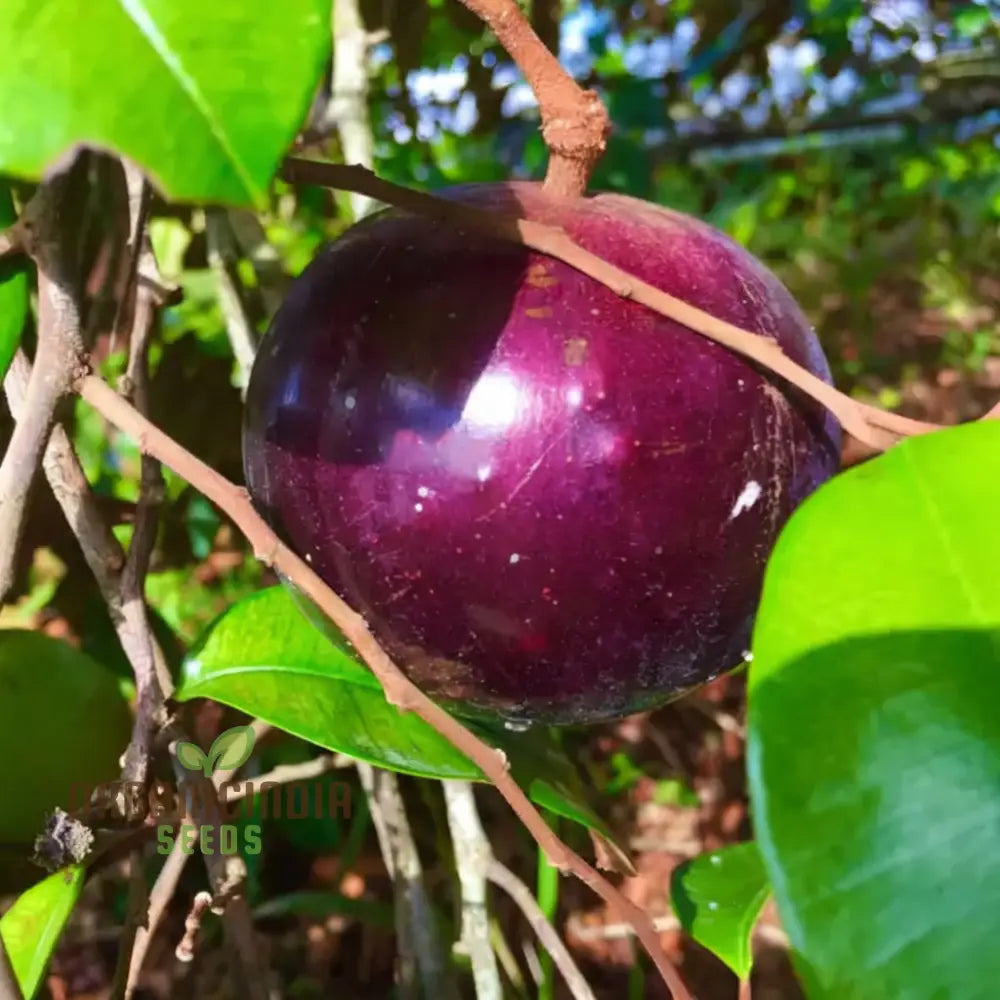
x=781 y=415
x=539 y=312
x=532 y=469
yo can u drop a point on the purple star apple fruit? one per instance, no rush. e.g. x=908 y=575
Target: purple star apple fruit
x=551 y=503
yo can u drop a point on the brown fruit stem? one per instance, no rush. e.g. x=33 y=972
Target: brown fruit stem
x=575 y=124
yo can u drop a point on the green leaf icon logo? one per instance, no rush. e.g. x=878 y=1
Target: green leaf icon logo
x=230 y=749
x=190 y=755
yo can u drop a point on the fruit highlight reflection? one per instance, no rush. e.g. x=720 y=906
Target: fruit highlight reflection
x=550 y=503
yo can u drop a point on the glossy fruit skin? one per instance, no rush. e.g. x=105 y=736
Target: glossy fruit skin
x=551 y=504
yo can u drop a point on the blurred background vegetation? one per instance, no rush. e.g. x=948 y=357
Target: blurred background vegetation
x=853 y=146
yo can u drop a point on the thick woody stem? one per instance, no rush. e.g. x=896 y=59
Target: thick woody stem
x=575 y=124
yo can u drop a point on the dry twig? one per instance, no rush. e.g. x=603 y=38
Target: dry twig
x=162 y=892
x=472 y=858
x=399 y=690
x=874 y=427
x=503 y=877
x=418 y=946
x=59 y=359
x=192 y=924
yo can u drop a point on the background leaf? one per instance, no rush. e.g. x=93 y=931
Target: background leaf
x=13 y=290
x=206 y=96
x=63 y=724
x=718 y=897
x=879 y=629
x=32 y=926
x=264 y=657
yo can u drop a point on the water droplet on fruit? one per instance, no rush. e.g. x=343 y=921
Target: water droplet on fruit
x=422 y=491
x=483 y=473
x=350 y=401
x=418 y=507
x=712 y=904
x=747 y=656
x=715 y=859
x=514 y=558
x=574 y=396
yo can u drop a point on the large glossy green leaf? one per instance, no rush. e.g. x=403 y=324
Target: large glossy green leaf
x=205 y=96
x=718 y=897
x=264 y=657
x=874 y=735
x=64 y=723
x=13 y=290
x=32 y=926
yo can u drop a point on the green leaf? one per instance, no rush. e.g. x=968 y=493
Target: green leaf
x=191 y=756
x=263 y=656
x=232 y=748
x=205 y=96
x=32 y=926
x=718 y=897
x=874 y=739
x=13 y=290
x=63 y=725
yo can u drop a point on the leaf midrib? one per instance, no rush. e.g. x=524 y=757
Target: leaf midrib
x=140 y=17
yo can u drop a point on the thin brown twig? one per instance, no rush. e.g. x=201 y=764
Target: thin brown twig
x=159 y=897
x=59 y=358
x=184 y=951
x=227 y=874
x=153 y=683
x=874 y=427
x=399 y=690
x=500 y=875
x=135 y=920
x=575 y=123
x=283 y=774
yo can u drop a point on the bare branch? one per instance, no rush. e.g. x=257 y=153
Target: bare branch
x=418 y=946
x=161 y=894
x=60 y=358
x=135 y=919
x=227 y=875
x=874 y=427
x=239 y=325
x=503 y=877
x=192 y=924
x=399 y=690
x=348 y=105
x=472 y=859
x=575 y=124
x=152 y=684
x=285 y=774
